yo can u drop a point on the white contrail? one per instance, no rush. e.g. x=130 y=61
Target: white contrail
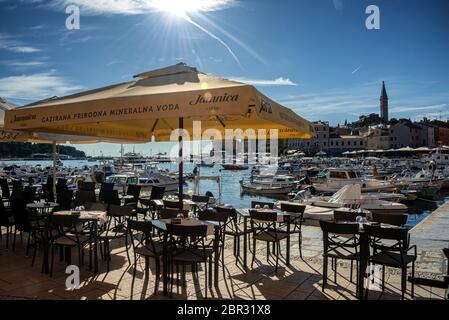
x=212 y=35
x=356 y=70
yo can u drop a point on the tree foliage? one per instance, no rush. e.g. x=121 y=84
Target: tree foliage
x=26 y=150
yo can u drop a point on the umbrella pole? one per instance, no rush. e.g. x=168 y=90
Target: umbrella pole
x=181 y=164
x=54 y=168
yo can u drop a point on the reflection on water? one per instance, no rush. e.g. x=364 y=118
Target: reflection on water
x=231 y=192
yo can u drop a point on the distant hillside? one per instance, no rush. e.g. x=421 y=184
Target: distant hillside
x=26 y=150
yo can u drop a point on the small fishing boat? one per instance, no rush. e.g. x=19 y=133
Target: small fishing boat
x=234 y=167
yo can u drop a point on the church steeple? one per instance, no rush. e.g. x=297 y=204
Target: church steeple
x=384 y=104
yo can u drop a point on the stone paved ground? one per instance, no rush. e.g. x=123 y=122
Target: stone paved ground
x=300 y=281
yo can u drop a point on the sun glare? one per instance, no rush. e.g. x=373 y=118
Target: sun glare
x=181 y=8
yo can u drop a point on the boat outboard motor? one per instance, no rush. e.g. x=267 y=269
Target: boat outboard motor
x=311 y=190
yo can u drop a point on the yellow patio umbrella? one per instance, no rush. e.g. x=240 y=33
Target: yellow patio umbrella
x=46 y=138
x=157 y=103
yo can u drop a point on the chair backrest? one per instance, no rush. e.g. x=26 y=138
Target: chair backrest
x=95 y=206
x=64 y=199
x=29 y=194
x=228 y=210
x=171 y=213
x=176 y=230
x=393 y=219
x=84 y=196
x=6 y=193
x=87 y=186
x=388 y=240
x=347 y=244
x=211 y=214
x=140 y=234
x=351 y=216
x=262 y=205
x=63 y=223
x=121 y=211
x=134 y=190
x=157 y=193
x=293 y=207
x=200 y=199
x=170 y=204
x=61 y=182
x=259 y=216
x=112 y=198
x=3 y=213
x=105 y=189
x=21 y=216
x=17 y=189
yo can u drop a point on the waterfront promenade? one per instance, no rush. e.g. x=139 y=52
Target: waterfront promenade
x=300 y=281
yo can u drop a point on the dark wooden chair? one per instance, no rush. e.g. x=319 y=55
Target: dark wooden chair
x=264 y=228
x=296 y=212
x=191 y=248
x=66 y=232
x=6 y=220
x=391 y=248
x=144 y=245
x=345 y=215
x=340 y=242
x=147 y=204
x=105 y=189
x=393 y=219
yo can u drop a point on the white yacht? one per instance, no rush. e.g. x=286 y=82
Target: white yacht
x=333 y=179
x=350 y=196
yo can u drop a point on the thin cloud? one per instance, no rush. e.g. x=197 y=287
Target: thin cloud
x=35 y=87
x=133 y=7
x=260 y=82
x=7 y=42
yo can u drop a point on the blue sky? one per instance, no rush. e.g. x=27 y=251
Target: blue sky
x=316 y=57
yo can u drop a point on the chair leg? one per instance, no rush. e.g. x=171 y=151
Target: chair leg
x=413 y=277
x=210 y=271
x=335 y=271
x=206 y=280
x=403 y=282
x=300 y=245
x=156 y=283
x=8 y=231
x=14 y=241
x=278 y=244
x=351 y=271
x=34 y=252
x=268 y=251
x=254 y=253
x=52 y=260
x=325 y=265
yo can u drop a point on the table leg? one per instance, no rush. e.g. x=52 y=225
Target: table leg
x=362 y=266
x=95 y=247
x=245 y=241
x=288 y=242
x=165 y=266
x=216 y=255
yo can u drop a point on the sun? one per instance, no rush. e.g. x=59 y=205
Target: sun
x=181 y=8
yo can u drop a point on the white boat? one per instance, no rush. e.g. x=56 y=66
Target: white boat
x=350 y=196
x=147 y=181
x=267 y=185
x=335 y=178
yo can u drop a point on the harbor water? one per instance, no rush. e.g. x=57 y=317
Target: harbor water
x=231 y=191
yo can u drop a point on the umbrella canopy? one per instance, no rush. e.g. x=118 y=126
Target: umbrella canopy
x=40 y=137
x=152 y=105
